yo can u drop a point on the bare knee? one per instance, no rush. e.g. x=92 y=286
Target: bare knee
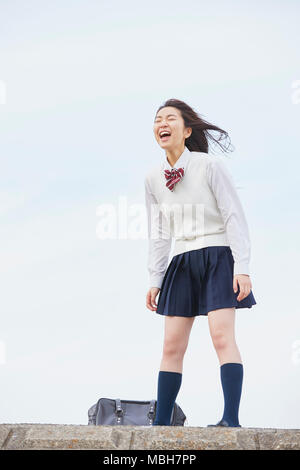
x=174 y=347
x=221 y=340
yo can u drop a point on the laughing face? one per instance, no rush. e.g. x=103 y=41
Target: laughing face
x=169 y=129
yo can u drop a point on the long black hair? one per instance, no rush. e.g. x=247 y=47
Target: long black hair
x=200 y=137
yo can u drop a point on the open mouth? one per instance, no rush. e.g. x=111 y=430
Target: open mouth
x=165 y=135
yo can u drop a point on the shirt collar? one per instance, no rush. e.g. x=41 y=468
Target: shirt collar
x=181 y=162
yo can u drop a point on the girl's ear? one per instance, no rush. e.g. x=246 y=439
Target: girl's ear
x=190 y=130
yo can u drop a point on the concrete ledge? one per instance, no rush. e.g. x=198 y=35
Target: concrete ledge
x=70 y=436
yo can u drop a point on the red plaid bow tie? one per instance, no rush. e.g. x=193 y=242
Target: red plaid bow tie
x=173 y=177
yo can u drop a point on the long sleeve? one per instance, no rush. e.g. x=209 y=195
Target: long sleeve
x=222 y=185
x=159 y=237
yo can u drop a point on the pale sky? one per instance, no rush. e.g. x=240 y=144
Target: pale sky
x=80 y=83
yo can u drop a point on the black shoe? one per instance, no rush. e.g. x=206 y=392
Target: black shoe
x=224 y=423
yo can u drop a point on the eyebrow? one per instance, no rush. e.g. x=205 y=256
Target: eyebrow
x=167 y=116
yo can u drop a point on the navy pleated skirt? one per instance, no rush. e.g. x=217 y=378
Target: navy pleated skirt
x=198 y=281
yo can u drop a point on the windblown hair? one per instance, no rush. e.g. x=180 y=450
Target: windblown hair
x=201 y=137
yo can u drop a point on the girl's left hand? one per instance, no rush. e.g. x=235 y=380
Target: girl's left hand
x=244 y=282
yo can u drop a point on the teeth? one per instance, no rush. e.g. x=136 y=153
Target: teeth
x=164 y=133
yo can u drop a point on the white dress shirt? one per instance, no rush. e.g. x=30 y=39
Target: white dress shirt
x=203 y=210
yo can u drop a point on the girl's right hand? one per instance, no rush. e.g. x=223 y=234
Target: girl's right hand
x=150 y=298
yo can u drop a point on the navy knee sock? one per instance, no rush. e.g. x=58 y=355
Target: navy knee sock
x=232 y=379
x=167 y=390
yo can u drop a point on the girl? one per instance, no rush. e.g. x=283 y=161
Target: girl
x=191 y=197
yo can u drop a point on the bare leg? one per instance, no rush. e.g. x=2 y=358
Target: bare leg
x=177 y=333
x=221 y=326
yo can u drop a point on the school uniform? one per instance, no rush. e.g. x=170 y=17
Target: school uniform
x=195 y=203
